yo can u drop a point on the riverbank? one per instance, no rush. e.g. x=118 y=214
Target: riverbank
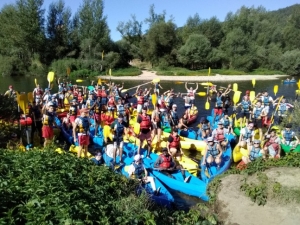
x=150 y=75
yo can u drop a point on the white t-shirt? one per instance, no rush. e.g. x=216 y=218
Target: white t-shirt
x=131 y=169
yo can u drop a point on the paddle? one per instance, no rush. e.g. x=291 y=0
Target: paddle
x=201 y=93
x=235 y=87
x=277 y=107
x=50 y=78
x=154 y=100
x=236 y=97
x=207 y=105
x=99 y=81
x=275 y=89
x=207 y=84
x=68 y=71
x=79 y=81
x=252 y=96
x=156 y=80
x=253 y=82
x=30 y=97
x=35 y=81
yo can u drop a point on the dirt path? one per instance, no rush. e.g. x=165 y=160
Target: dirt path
x=235 y=208
x=148 y=75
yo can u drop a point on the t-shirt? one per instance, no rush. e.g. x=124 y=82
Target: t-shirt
x=131 y=169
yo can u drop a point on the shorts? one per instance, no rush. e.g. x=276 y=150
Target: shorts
x=83 y=139
x=72 y=118
x=110 y=108
x=146 y=136
x=267 y=109
x=258 y=123
x=103 y=101
x=156 y=125
x=139 y=108
x=187 y=107
x=245 y=114
x=120 y=145
x=272 y=151
x=218 y=111
x=47 y=132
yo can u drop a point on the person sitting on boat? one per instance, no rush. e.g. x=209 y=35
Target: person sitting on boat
x=166 y=164
x=282 y=108
x=266 y=101
x=246 y=135
x=156 y=123
x=191 y=92
x=213 y=152
x=254 y=152
x=204 y=128
x=174 y=146
x=227 y=122
x=174 y=119
x=48 y=121
x=145 y=129
x=246 y=107
x=257 y=114
x=218 y=110
x=98 y=158
x=272 y=145
x=118 y=138
x=219 y=134
x=192 y=111
x=289 y=137
x=81 y=129
x=183 y=122
x=138 y=171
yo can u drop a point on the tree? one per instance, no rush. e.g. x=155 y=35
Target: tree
x=195 y=51
x=290 y=62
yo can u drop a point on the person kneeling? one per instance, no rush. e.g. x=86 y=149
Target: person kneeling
x=272 y=145
x=138 y=171
x=213 y=152
x=254 y=152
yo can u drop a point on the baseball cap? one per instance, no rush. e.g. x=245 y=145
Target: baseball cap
x=137 y=157
x=210 y=139
x=174 y=105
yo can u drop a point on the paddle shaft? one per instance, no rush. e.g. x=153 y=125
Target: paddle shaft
x=136 y=86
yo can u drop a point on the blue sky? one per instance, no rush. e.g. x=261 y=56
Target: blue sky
x=121 y=10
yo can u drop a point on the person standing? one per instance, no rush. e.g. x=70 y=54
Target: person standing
x=36 y=115
x=48 y=121
x=118 y=139
x=145 y=129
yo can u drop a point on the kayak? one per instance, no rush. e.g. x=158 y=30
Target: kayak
x=238 y=153
x=289 y=81
x=208 y=173
x=164 y=197
x=287 y=148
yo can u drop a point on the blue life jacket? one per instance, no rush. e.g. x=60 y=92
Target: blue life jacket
x=245 y=105
x=121 y=109
x=226 y=122
x=248 y=134
x=254 y=153
x=205 y=126
x=174 y=116
x=219 y=102
x=257 y=112
x=84 y=127
x=120 y=130
x=139 y=170
x=266 y=101
x=288 y=135
x=282 y=108
x=212 y=150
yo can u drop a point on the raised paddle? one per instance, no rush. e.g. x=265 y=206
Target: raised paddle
x=207 y=105
x=50 y=78
x=253 y=82
x=277 y=107
x=153 y=99
x=207 y=84
x=99 y=81
x=275 y=89
x=156 y=80
x=35 y=81
x=252 y=96
x=79 y=81
x=236 y=97
x=235 y=87
x=30 y=97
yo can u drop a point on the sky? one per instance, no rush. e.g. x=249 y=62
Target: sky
x=180 y=10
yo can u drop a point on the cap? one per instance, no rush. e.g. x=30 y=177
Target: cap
x=10 y=86
x=164 y=149
x=174 y=105
x=83 y=110
x=175 y=130
x=220 y=123
x=288 y=125
x=210 y=139
x=137 y=157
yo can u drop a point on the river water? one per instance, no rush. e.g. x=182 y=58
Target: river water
x=26 y=84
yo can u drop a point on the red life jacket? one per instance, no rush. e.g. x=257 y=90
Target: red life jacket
x=176 y=141
x=162 y=104
x=103 y=94
x=220 y=135
x=111 y=102
x=272 y=143
x=166 y=161
x=140 y=100
x=146 y=122
x=99 y=93
x=75 y=93
x=80 y=98
x=39 y=92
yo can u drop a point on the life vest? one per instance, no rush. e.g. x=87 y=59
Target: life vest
x=271 y=142
x=48 y=119
x=140 y=100
x=191 y=93
x=174 y=116
x=80 y=98
x=282 y=108
x=266 y=100
x=162 y=104
x=193 y=110
x=226 y=122
x=97 y=107
x=220 y=135
x=176 y=141
x=120 y=130
x=75 y=94
x=139 y=171
x=73 y=110
x=248 y=134
x=227 y=101
x=111 y=102
x=288 y=135
x=166 y=161
x=103 y=94
x=219 y=102
x=39 y=91
x=254 y=153
x=89 y=103
x=246 y=105
x=257 y=112
x=146 y=123
x=98 y=93
x=121 y=109
x=84 y=125
x=205 y=126
x=212 y=150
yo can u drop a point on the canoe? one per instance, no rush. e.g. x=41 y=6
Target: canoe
x=208 y=174
x=238 y=153
x=289 y=81
x=287 y=148
x=164 y=197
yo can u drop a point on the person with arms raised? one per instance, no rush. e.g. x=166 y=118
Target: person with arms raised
x=48 y=122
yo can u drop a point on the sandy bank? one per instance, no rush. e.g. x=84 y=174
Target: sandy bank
x=147 y=75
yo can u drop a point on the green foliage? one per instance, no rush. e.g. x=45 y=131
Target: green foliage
x=43 y=187
x=290 y=62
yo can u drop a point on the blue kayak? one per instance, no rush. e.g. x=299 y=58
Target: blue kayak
x=289 y=81
x=164 y=197
x=194 y=187
x=208 y=173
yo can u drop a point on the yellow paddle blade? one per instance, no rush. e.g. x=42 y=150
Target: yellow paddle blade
x=35 y=81
x=207 y=84
x=124 y=90
x=201 y=93
x=106 y=131
x=109 y=72
x=136 y=128
x=30 y=97
x=275 y=89
x=298 y=84
x=253 y=82
x=252 y=96
x=23 y=102
x=79 y=81
x=153 y=98
x=66 y=102
x=297 y=91
x=50 y=77
x=209 y=71
x=235 y=87
x=236 y=97
x=179 y=82
x=156 y=80
x=99 y=81
x=207 y=105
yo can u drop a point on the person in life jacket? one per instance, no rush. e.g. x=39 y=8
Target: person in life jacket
x=140 y=99
x=191 y=92
x=120 y=108
x=157 y=88
x=145 y=129
x=272 y=145
x=138 y=171
x=246 y=108
x=289 y=137
x=165 y=163
x=213 y=153
x=48 y=121
x=204 y=130
x=162 y=104
x=90 y=103
x=37 y=93
x=219 y=134
x=266 y=101
x=246 y=135
x=156 y=123
x=35 y=112
x=227 y=122
x=257 y=114
x=66 y=122
x=119 y=129
x=11 y=93
x=174 y=119
x=282 y=109
x=73 y=111
x=98 y=158
x=111 y=106
x=173 y=145
x=81 y=129
x=183 y=122
x=254 y=152
x=97 y=107
x=219 y=105
x=147 y=97
x=187 y=101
